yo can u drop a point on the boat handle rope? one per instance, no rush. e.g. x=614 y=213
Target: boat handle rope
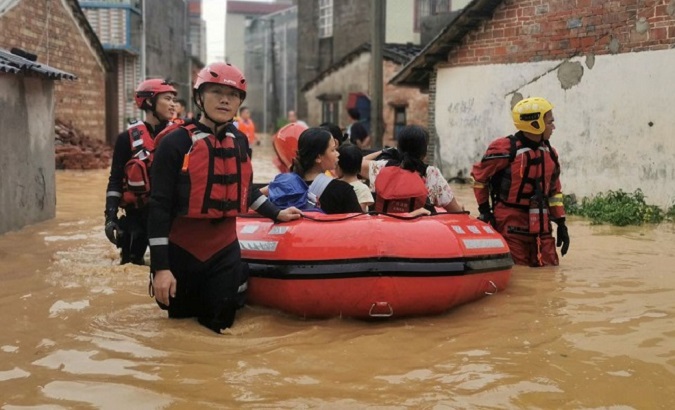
x=490 y=293
x=379 y=305
x=356 y=215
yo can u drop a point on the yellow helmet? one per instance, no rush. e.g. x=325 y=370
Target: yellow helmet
x=528 y=114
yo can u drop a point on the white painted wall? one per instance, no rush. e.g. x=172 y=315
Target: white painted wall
x=602 y=132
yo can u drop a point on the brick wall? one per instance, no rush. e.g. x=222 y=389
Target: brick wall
x=535 y=30
x=49 y=30
x=415 y=102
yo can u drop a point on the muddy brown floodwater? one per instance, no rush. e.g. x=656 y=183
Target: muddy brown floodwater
x=79 y=331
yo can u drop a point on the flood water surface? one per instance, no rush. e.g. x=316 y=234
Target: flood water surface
x=79 y=331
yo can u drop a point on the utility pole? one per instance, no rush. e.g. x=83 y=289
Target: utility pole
x=377 y=30
x=143 y=46
x=273 y=53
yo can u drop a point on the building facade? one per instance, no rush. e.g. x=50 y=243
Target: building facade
x=61 y=37
x=270 y=67
x=605 y=66
x=140 y=44
x=332 y=29
x=331 y=92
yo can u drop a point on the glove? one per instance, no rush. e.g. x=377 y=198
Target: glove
x=486 y=214
x=112 y=229
x=563 y=236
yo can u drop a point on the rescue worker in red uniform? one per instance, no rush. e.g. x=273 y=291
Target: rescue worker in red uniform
x=128 y=184
x=520 y=174
x=202 y=177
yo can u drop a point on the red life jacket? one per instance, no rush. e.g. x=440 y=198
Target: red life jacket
x=215 y=178
x=532 y=173
x=399 y=190
x=136 y=170
x=171 y=126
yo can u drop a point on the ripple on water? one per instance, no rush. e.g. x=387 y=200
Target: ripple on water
x=107 y=395
x=83 y=363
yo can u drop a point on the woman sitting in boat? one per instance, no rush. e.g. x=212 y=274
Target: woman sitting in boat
x=412 y=149
x=317 y=153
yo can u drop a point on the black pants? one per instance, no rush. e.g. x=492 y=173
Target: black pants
x=212 y=290
x=134 y=240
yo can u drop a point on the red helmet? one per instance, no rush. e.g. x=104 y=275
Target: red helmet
x=150 y=88
x=221 y=73
x=285 y=143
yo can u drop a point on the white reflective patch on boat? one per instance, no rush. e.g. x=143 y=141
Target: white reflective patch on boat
x=488 y=229
x=473 y=229
x=482 y=243
x=266 y=246
x=457 y=229
x=278 y=230
x=249 y=228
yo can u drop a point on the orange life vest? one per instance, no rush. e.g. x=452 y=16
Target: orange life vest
x=399 y=190
x=137 y=170
x=532 y=173
x=216 y=175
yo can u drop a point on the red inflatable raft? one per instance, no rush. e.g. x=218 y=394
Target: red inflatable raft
x=366 y=266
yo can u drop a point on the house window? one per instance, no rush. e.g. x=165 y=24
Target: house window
x=400 y=119
x=325 y=18
x=426 y=8
x=330 y=110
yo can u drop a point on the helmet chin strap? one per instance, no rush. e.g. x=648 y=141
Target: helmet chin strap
x=216 y=124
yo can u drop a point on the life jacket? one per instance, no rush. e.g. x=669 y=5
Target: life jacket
x=137 y=170
x=216 y=175
x=528 y=179
x=287 y=190
x=170 y=127
x=399 y=190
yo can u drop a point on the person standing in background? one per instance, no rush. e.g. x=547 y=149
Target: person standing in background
x=129 y=183
x=246 y=125
x=293 y=118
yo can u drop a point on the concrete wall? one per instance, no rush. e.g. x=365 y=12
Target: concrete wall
x=606 y=66
x=167 y=36
x=27 y=185
x=400 y=22
x=610 y=132
x=55 y=36
x=234 y=40
x=350 y=78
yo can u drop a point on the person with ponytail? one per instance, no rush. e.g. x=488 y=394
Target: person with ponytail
x=412 y=149
x=317 y=153
x=202 y=179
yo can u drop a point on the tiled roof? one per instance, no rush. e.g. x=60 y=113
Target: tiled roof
x=14 y=64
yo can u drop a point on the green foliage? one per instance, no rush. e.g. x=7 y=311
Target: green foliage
x=618 y=208
x=670 y=213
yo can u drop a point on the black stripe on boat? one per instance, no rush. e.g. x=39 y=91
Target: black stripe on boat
x=355 y=268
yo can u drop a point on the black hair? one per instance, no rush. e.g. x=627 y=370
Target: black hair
x=335 y=131
x=182 y=102
x=357 y=133
x=243 y=107
x=412 y=145
x=350 y=159
x=313 y=142
x=354 y=114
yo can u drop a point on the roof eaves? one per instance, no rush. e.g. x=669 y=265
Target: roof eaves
x=12 y=63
